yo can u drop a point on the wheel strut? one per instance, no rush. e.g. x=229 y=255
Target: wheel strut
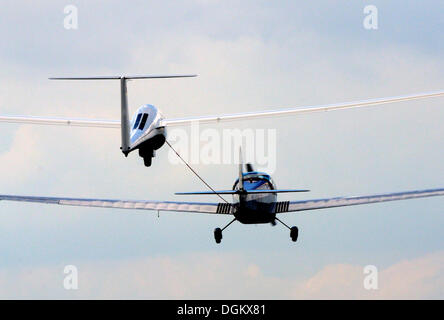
x=294 y=231
x=218 y=231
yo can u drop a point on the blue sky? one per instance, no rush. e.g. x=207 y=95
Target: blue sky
x=249 y=56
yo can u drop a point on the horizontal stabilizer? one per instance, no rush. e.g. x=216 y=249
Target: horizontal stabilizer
x=257 y=191
x=160 y=76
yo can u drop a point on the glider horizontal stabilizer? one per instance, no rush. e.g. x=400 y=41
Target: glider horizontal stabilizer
x=160 y=76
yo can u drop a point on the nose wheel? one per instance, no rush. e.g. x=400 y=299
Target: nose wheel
x=218 y=232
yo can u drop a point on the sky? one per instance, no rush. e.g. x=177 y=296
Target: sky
x=249 y=55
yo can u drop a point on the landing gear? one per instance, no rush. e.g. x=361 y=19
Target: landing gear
x=147 y=161
x=147 y=155
x=218 y=235
x=294 y=231
x=218 y=232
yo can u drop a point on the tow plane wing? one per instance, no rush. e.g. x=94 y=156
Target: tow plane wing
x=197 y=207
x=227 y=208
x=293 y=206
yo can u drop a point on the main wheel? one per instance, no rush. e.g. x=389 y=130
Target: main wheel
x=147 y=161
x=147 y=154
x=217 y=235
x=294 y=232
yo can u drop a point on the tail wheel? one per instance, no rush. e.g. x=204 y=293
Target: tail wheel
x=294 y=232
x=218 y=235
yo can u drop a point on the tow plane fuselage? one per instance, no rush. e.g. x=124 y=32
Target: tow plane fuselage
x=252 y=208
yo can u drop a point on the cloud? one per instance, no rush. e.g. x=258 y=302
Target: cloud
x=419 y=278
x=415 y=279
x=224 y=276
x=22 y=158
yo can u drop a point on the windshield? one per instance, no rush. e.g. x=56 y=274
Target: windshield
x=136 y=123
x=142 y=123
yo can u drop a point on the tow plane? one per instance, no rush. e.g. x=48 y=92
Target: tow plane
x=254 y=202
x=254 y=193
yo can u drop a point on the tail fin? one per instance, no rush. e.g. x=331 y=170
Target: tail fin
x=241 y=179
x=125 y=125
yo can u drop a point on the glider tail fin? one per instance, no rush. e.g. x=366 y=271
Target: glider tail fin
x=125 y=122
